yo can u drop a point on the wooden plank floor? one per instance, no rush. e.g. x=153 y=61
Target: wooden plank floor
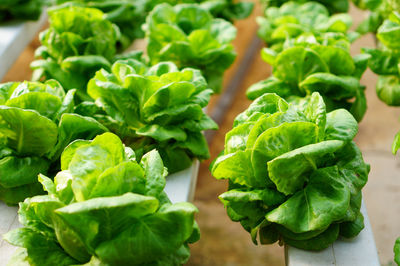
x=226 y=243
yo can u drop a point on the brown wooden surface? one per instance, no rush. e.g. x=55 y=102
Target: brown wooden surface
x=224 y=242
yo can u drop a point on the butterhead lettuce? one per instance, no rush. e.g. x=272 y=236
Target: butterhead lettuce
x=21 y=9
x=78 y=42
x=36 y=124
x=295 y=175
x=189 y=36
x=158 y=107
x=316 y=66
x=334 y=6
x=227 y=9
x=300 y=20
x=385 y=60
x=128 y=15
x=104 y=208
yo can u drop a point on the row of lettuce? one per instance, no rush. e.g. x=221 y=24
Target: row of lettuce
x=295 y=174
x=384 y=20
x=87 y=145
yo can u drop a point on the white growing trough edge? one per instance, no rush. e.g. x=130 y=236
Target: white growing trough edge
x=359 y=251
x=180 y=187
x=14 y=37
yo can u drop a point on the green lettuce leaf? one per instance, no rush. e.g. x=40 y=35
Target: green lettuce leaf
x=189 y=36
x=158 y=107
x=21 y=10
x=294 y=172
x=311 y=66
x=36 y=124
x=78 y=42
x=396 y=250
x=101 y=203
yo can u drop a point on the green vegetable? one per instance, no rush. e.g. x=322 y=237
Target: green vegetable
x=158 y=107
x=21 y=9
x=227 y=9
x=295 y=175
x=379 y=11
x=310 y=66
x=36 y=124
x=385 y=60
x=189 y=36
x=299 y=21
x=105 y=208
x=128 y=15
x=78 y=43
x=334 y=6
x=396 y=250
x=396 y=143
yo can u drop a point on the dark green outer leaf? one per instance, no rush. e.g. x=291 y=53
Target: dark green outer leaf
x=352 y=229
x=175 y=159
x=320 y=242
x=41 y=249
x=15 y=195
x=15 y=171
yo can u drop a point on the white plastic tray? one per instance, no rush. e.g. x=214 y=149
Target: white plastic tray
x=14 y=37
